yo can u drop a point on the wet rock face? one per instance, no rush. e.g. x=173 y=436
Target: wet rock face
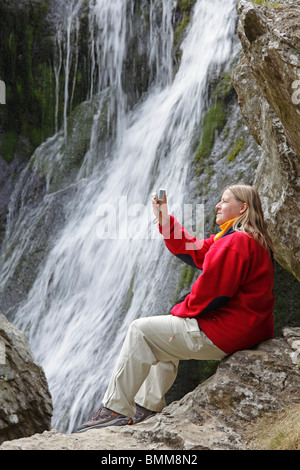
x=266 y=82
x=25 y=401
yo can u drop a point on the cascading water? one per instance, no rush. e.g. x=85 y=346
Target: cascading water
x=70 y=11
x=108 y=264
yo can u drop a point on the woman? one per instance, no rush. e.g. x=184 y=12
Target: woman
x=229 y=308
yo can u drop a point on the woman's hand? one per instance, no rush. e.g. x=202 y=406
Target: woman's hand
x=160 y=209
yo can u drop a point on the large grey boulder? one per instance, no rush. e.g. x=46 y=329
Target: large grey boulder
x=25 y=401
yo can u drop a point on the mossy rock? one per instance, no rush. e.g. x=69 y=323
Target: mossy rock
x=27 y=68
x=238 y=146
x=68 y=150
x=214 y=120
x=182 y=17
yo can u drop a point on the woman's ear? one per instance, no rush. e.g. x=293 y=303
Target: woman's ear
x=243 y=208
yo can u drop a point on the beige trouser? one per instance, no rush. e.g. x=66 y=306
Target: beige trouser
x=148 y=362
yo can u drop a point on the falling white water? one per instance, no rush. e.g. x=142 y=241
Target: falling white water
x=70 y=11
x=108 y=22
x=90 y=287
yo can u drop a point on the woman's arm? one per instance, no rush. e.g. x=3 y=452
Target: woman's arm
x=179 y=242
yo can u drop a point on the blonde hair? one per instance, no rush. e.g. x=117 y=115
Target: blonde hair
x=252 y=220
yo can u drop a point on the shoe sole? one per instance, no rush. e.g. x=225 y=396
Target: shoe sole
x=113 y=422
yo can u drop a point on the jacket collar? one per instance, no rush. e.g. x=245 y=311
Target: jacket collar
x=224 y=229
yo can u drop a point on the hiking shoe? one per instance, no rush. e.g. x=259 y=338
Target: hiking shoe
x=104 y=417
x=141 y=414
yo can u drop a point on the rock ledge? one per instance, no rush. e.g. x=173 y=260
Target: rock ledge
x=247 y=385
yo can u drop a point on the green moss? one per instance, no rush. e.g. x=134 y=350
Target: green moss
x=36 y=136
x=182 y=16
x=180 y=28
x=61 y=168
x=238 y=146
x=22 y=35
x=8 y=145
x=214 y=120
x=185 y=5
x=223 y=88
x=226 y=133
x=186 y=278
x=130 y=294
x=26 y=66
x=187 y=275
x=267 y=3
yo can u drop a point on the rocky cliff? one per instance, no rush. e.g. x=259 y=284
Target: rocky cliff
x=267 y=84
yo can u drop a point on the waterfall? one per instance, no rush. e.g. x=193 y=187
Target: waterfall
x=69 y=13
x=108 y=22
x=108 y=264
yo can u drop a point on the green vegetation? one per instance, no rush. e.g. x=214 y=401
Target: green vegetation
x=187 y=275
x=27 y=68
x=267 y=3
x=214 y=120
x=238 y=146
x=9 y=142
x=223 y=88
x=182 y=18
x=226 y=133
x=130 y=293
x=27 y=76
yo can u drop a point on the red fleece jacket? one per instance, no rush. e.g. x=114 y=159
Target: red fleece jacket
x=232 y=299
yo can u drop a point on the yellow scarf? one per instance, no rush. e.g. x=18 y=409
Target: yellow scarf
x=224 y=227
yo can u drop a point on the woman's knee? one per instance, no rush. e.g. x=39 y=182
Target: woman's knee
x=138 y=325
x=146 y=325
x=135 y=324
x=137 y=328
